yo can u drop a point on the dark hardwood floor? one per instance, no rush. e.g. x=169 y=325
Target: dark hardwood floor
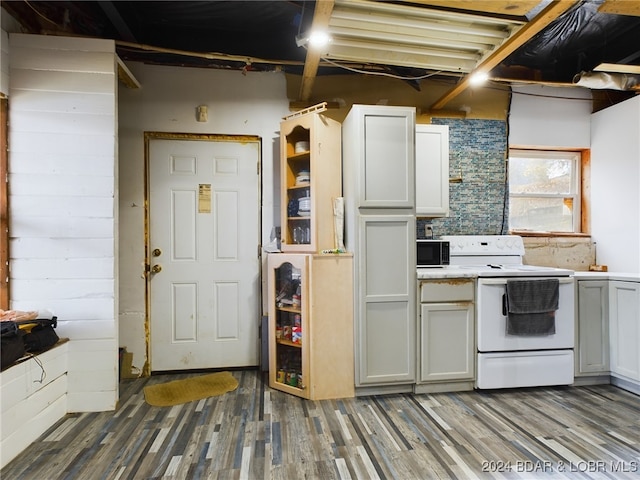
x=259 y=433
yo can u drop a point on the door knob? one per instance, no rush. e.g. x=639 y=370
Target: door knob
x=156 y=252
x=156 y=269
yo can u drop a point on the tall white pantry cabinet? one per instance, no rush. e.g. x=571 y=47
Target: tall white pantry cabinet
x=378 y=145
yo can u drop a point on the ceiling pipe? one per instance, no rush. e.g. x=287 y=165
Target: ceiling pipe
x=608 y=81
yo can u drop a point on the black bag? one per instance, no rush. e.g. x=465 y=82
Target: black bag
x=12 y=344
x=39 y=334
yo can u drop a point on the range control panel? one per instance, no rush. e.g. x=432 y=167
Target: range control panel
x=481 y=245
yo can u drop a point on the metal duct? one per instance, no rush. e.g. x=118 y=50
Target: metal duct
x=604 y=80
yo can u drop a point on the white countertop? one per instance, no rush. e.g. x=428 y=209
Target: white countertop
x=625 y=277
x=458 y=271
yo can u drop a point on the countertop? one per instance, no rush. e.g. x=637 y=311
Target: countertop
x=456 y=272
x=625 y=277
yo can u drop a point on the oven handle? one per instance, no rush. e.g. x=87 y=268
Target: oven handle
x=503 y=281
x=504 y=305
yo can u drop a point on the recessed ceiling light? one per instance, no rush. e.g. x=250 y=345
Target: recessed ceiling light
x=478 y=78
x=318 y=39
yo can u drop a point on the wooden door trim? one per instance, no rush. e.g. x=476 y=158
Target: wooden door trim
x=210 y=137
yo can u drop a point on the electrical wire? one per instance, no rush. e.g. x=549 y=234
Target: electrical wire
x=39 y=14
x=383 y=74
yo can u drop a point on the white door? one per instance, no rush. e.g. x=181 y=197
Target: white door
x=204 y=232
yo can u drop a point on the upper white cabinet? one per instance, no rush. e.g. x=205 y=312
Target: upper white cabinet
x=379 y=156
x=432 y=170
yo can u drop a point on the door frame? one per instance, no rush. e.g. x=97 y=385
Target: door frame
x=206 y=137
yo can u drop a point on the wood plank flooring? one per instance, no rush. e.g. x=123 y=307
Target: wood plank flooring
x=259 y=433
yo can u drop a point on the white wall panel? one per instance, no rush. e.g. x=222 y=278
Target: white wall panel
x=615 y=179
x=90 y=207
x=62 y=43
x=38 y=58
x=47 y=185
x=66 y=123
x=95 y=329
x=48 y=162
x=70 y=144
x=64 y=102
x=550 y=117
x=68 y=248
x=74 y=311
x=78 y=268
x=62 y=171
x=61 y=227
x=59 y=289
x=76 y=82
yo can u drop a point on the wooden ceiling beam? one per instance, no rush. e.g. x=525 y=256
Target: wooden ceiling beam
x=321 y=16
x=523 y=35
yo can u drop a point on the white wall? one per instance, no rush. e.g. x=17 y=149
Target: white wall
x=550 y=117
x=62 y=158
x=615 y=185
x=251 y=104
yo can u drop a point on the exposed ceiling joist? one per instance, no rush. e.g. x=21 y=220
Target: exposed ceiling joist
x=513 y=7
x=542 y=20
x=321 y=16
x=620 y=7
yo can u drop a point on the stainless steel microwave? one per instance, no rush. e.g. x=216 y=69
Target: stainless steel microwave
x=432 y=253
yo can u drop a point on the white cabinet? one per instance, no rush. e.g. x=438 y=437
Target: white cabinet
x=624 y=301
x=432 y=170
x=593 y=328
x=385 y=304
x=446 y=335
x=378 y=145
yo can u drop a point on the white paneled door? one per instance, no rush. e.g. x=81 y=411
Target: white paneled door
x=204 y=231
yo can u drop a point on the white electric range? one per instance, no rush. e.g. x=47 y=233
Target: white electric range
x=507 y=360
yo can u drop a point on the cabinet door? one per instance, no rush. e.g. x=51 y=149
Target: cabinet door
x=447 y=346
x=624 y=300
x=432 y=170
x=593 y=327
x=310 y=178
x=380 y=142
x=386 y=299
x=289 y=323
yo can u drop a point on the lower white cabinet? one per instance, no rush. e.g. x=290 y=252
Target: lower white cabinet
x=446 y=335
x=624 y=302
x=592 y=356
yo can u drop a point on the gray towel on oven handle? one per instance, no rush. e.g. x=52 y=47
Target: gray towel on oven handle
x=531 y=306
x=533 y=296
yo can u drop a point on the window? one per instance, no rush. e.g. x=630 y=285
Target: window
x=544 y=191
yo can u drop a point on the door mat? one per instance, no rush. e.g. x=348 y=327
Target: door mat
x=189 y=389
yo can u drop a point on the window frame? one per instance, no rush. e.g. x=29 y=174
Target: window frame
x=580 y=186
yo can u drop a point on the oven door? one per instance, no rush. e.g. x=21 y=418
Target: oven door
x=492 y=324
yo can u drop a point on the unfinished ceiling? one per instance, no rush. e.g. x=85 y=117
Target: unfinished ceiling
x=535 y=41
